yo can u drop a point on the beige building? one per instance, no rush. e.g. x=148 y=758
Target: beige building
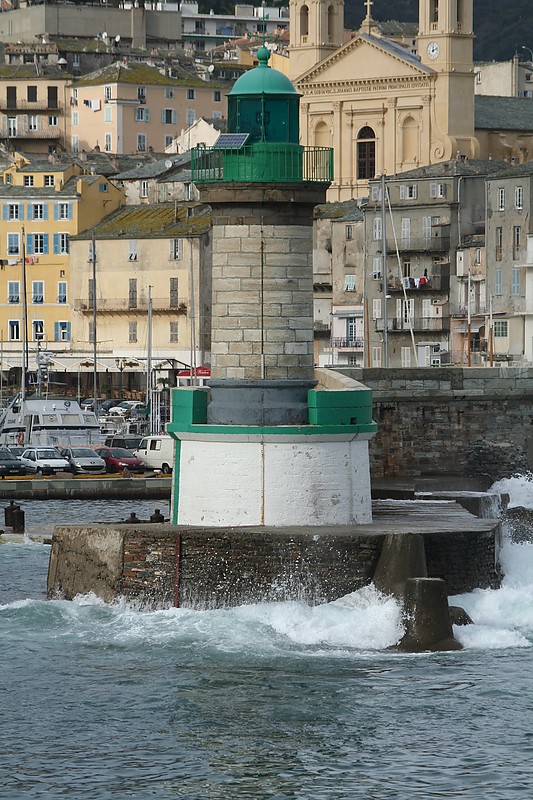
x=133 y=107
x=513 y=78
x=381 y=107
x=162 y=249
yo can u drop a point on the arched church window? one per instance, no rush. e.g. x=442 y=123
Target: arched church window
x=460 y=11
x=366 y=153
x=331 y=23
x=434 y=14
x=409 y=140
x=322 y=135
x=304 y=21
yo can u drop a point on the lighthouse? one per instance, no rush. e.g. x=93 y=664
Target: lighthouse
x=267 y=442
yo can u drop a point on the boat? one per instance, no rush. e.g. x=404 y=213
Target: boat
x=50 y=421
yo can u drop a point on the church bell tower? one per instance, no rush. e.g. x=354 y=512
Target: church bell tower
x=316 y=31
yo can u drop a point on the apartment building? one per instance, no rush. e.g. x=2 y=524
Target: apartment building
x=204 y=32
x=160 y=181
x=42 y=206
x=160 y=251
x=134 y=108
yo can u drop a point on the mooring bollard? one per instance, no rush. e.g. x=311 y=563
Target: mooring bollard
x=157 y=516
x=132 y=517
x=17 y=521
x=8 y=513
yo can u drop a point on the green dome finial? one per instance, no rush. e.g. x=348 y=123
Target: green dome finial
x=263 y=54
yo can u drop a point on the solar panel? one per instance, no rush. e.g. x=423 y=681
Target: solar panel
x=231 y=140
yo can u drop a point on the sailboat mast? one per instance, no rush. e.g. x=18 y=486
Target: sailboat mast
x=25 y=359
x=95 y=368
x=149 y=360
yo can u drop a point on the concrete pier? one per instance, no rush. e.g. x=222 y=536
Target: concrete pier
x=90 y=488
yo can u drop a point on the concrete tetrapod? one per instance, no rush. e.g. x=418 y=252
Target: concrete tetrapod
x=426 y=617
x=402 y=556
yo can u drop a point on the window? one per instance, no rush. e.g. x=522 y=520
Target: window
x=168 y=116
x=217 y=96
x=366 y=153
x=33 y=122
x=132 y=293
x=76 y=60
x=169 y=93
x=8 y=178
x=497 y=281
x=190 y=117
x=216 y=114
x=408 y=192
x=348 y=232
x=176 y=249
x=519 y=197
x=90 y=287
x=143 y=190
x=426 y=229
x=13 y=330
x=477 y=256
x=406 y=268
x=62 y=331
x=132 y=250
x=406 y=357
x=437 y=190
x=501 y=328
x=377 y=263
x=141 y=93
x=132 y=331
x=406 y=231
x=63 y=211
x=31 y=94
x=376 y=356
x=37 y=329
x=169 y=141
x=376 y=308
x=108 y=142
x=515 y=281
x=37 y=292
x=499 y=244
x=75 y=144
x=141 y=142
x=174 y=327
x=376 y=229
x=13 y=292
x=13 y=244
x=49 y=180
x=91 y=332
x=349 y=283
x=190 y=94
x=61 y=244
x=108 y=114
x=375 y=193
x=53 y=120
x=37 y=210
x=103 y=187
x=501 y=199
x=107 y=93
x=37 y=244
x=174 y=298
x=517 y=239
x=142 y=115
x=14 y=211
x=62 y=292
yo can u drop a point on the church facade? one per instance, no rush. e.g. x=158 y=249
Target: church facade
x=383 y=108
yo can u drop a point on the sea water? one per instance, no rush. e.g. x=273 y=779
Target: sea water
x=279 y=701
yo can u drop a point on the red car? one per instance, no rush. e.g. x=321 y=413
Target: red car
x=117 y=459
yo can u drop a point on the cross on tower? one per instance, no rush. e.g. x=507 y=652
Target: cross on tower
x=369 y=4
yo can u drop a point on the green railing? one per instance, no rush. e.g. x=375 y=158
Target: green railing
x=263 y=162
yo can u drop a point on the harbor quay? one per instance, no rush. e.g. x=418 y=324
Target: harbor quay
x=86 y=488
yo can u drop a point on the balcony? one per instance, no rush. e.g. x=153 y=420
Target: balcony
x=23 y=132
x=27 y=107
x=322 y=327
x=435 y=244
x=126 y=305
x=349 y=344
x=434 y=283
x=418 y=324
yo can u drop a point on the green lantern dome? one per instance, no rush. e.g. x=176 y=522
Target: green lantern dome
x=264 y=104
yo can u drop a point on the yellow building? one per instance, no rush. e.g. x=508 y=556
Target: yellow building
x=380 y=106
x=42 y=205
x=32 y=107
x=160 y=251
x=130 y=108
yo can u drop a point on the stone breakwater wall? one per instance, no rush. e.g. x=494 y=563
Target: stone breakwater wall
x=167 y=565
x=475 y=422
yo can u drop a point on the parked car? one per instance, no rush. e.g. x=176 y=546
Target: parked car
x=117 y=459
x=10 y=464
x=16 y=449
x=83 y=460
x=46 y=460
x=126 y=407
x=157 y=452
x=123 y=440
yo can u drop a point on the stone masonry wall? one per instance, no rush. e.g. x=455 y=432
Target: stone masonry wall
x=445 y=421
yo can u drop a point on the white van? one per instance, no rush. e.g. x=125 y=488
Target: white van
x=157 y=452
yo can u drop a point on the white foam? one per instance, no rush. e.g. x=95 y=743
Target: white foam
x=519 y=488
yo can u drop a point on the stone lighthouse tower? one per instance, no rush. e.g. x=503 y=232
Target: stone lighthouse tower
x=264 y=444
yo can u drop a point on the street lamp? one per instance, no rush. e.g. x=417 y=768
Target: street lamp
x=529 y=50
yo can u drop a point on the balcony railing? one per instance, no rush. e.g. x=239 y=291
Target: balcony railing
x=434 y=244
x=262 y=162
x=126 y=305
x=23 y=132
x=435 y=283
x=416 y=323
x=349 y=344
x=322 y=327
x=26 y=106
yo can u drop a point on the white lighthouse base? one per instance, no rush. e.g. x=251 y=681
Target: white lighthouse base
x=272 y=480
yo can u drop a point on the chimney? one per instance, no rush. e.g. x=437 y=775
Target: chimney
x=138 y=27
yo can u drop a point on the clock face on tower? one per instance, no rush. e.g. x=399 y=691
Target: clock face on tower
x=433 y=50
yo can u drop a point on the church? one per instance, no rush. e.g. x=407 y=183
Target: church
x=383 y=107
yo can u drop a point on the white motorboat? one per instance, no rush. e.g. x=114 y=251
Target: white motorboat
x=51 y=421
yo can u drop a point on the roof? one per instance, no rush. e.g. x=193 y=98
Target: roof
x=29 y=72
x=516 y=170
x=263 y=79
x=503 y=113
x=395 y=50
x=394 y=27
x=138 y=73
x=70 y=189
x=453 y=168
x=155 y=169
x=347 y=211
x=159 y=221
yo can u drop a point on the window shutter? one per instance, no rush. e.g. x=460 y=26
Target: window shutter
x=68 y=331
x=163 y=116
x=30 y=211
x=5 y=211
x=56 y=211
x=56 y=243
x=29 y=244
x=402 y=192
x=45 y=243
x=45 y=210
x=174 y=116
x=69 y=210
x=147 y=115
x=57 y=334
x=21 y=211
